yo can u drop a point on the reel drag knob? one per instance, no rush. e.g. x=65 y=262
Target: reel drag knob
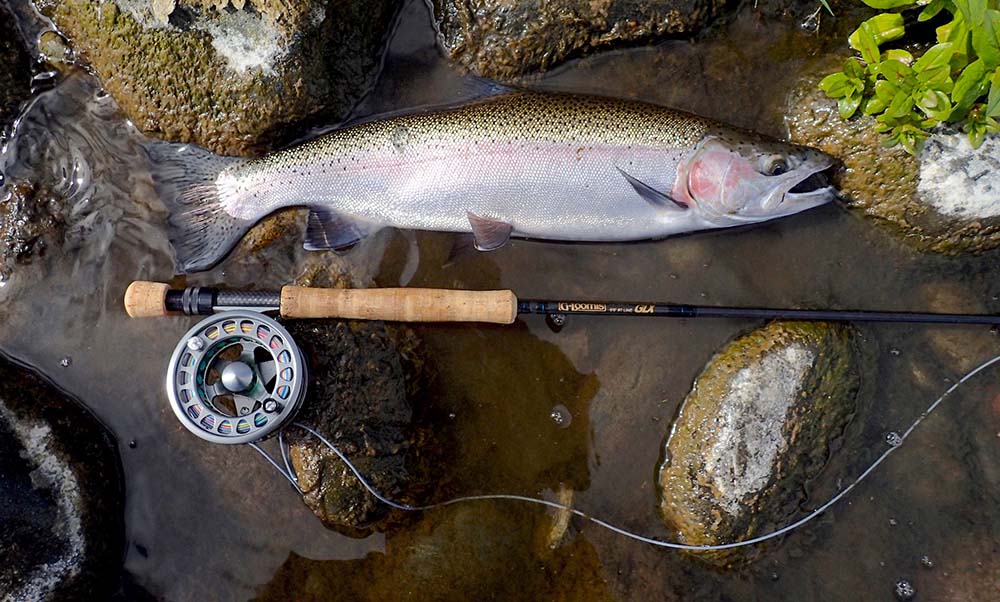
x=236 y=377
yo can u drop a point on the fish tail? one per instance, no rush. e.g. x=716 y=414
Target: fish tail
x=200 y=229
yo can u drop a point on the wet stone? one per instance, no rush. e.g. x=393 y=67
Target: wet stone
x=15 y=69
x=757 y=425
x=502 y=40
x=943 y=200
x=229 y=76
x=61 y=495
x=362 y=376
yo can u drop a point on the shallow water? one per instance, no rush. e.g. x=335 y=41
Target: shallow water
x=217 y=523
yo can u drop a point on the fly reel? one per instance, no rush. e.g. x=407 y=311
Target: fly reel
x=236 y=377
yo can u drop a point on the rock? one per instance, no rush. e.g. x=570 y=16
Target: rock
x=474 y=551
x=945 y=200
x=15 y=69
x=362 y=376
x=756 y=426
x=228 y=76
x=31 y=220
x=500 y=39
x=61 y=495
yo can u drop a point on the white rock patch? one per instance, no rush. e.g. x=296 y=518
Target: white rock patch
x=50 y=473
x=751 y=425
x=246 y=41
x=958 y=180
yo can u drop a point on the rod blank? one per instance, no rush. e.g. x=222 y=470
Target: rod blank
x=148 y=299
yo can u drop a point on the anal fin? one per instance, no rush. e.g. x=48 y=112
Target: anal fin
x=327 y=230
x=490 y=234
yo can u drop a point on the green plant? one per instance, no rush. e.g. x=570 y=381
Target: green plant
x=957 y=80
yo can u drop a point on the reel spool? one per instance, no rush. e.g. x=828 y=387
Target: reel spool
x=236 y=377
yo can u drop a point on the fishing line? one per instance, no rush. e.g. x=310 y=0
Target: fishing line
x=895 y=441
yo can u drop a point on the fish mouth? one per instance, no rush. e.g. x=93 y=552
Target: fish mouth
x=812 y=183
x=813 y=189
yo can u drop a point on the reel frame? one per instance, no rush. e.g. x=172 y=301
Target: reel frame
x=236 y=377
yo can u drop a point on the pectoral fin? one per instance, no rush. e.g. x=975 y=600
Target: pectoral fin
x=327 y=230
x=652 y=196
x=490 y=234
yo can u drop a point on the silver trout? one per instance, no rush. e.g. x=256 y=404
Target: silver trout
x=543 y=166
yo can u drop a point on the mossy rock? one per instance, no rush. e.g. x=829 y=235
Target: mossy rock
x=230 y=79
x=939 y=202
x=756 y=426
x=363 y=377
x=501 y=39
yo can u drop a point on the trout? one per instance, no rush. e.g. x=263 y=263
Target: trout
x=557 y=167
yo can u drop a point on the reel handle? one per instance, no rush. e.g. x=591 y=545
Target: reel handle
x=154 y=299
x=400 y=304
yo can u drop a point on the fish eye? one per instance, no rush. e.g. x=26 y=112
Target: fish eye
x=775 y=165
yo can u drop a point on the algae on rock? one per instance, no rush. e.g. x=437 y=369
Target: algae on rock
x=756 y=426
x=502 y=40
x=229 y=78
x=914 y=196
x=362 y=377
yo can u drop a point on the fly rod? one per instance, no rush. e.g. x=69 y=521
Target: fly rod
x=150 y=299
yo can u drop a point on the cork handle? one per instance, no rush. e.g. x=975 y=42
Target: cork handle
x=400 y=304
x=146 y=299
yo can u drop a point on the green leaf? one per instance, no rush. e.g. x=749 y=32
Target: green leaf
x=894 y=71
x=970 y=85
x=854 y=69
x=937 y=55
x=836 y=85
x=886 y=91
x=993 y=99
x=872 y=105
x=826 y=5
x=880 y=29
x=848 y=105
x=984 y=39
x=931 y=10
x=886 y=4
x=900 y=106
x=972 y=10
x=863 y=40
x=976 y=135
x=938 y=77
x=935 y=104
x=897 y=54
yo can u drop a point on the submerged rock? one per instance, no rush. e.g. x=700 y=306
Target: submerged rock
x=228 y=76
x=362 y=376
x=61 y=495
x=473 y=551
x=946 y=200
x=756 y=426
x=501 y=39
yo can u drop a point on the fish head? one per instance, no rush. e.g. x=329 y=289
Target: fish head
x=732 y=180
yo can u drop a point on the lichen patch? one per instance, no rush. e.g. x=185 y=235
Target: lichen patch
x=751 y=433
x=958 y=180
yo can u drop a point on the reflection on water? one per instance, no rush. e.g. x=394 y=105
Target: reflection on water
x=216 y=523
